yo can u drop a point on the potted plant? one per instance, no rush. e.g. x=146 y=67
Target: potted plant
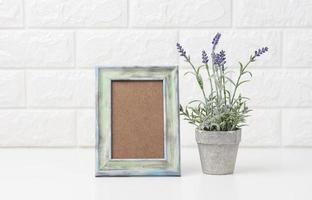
x=222 y=111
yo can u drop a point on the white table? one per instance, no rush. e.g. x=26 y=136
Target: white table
x=69 y=174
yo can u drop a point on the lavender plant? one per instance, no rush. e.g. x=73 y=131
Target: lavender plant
x=221 y=108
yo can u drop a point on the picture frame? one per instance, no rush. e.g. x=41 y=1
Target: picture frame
x=111 y=157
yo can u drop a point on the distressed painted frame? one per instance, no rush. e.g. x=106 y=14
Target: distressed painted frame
x=105 y=164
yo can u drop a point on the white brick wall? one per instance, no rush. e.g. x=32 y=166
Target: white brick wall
x=60 y=88
x=11 y=13
x=48 y=50
x=180 y=13
x=29 y=48
x=126 y=47
x=25 y=127
x=76 y=13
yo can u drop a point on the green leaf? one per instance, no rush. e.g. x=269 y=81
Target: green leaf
x=180 y=108
x=200 y=81
x=186 y=111
x=189 y=73
x=241 y=67
x=248 y=72
x=231 y=81
x=243 y=82
x=196 y=100
x=197 y=71
x=228 y=93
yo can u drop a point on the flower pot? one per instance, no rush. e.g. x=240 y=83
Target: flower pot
x=218 y=150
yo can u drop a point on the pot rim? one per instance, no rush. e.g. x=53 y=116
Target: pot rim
x=218 y=137
x=234 y=131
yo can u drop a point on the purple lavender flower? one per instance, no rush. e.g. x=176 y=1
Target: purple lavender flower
x=259 y=52
x=220 y=59
x=215 y=40
x=204 y=57
x=181 y=51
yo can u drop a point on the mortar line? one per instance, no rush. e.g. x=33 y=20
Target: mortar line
x=92 y=108
x=160 y=28
x=123 y=28
x=75 y=49
x=25 y=89
x=24 y=14
x=46 y=108
x=281 y=48
x=61 y=108
x=47 y=68
x=232 y=13
x=177 y=55
x=128 y=13
x=75 y=128
x=88 y=68
x=281 y=128
x=61 y=28
x=184 y=146
x=268 y=68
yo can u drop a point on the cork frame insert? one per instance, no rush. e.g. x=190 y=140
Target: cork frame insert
x=137 y=121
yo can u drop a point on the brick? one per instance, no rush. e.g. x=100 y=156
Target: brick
x=12 y=88
x=37 y=128
x=279 y=88
x=61 y=88
x=180 y=13
x=126 y=47
x=238 y=45
x=36 y=49
x=293 y=40
x=86 y=127
x=278 y=13
x=263 y=128
x=11 y=13
x=76 y=13
x=265 y=88
x=297 y=127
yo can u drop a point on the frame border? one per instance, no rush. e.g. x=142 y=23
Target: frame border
x=167 y=166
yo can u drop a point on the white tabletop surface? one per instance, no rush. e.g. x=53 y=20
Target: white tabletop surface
x=69 y=174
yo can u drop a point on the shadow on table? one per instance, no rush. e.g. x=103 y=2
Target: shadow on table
x=190 y=169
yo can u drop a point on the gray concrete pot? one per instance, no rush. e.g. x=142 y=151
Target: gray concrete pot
x=218 y=150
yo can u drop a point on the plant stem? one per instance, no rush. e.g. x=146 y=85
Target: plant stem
x=219 y=81
x=215 y=80
x=211 y=88
x=202 y=89
x=224 y=91
x=238 y=79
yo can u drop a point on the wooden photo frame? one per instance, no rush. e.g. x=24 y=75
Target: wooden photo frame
x=137 y=121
